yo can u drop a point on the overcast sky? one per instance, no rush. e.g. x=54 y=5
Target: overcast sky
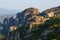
x=23 y=4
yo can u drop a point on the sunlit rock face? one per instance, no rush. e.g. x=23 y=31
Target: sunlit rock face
x=12 y=28
x=30 y=17
x=37 y=20
x=55 y=11
x=27 y=14
x=32 y=11
x=48 y=13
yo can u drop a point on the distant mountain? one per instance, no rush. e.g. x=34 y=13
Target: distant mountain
x=4 y=11
x=4 y=16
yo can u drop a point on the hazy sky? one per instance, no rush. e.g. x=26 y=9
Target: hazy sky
x=23 y=4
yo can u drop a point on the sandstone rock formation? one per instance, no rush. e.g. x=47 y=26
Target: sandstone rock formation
x=12 y=28
x=31 y=17
x=55 y=11
x=26 y=21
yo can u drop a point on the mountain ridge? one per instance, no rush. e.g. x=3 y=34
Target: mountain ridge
x=28 y=21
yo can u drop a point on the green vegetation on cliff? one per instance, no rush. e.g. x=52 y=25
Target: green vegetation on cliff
x=50 y=30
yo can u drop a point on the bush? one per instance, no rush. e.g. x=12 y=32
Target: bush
x=1 y=37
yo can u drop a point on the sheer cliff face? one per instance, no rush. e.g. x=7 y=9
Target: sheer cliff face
x=55 y=11
x=30 y=17
x=33 y=11
x=27 y=14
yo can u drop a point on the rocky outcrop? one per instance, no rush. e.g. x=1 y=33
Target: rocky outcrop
x=55 y=11
x=29 y=18
x=37 y=20
x=27 y=13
